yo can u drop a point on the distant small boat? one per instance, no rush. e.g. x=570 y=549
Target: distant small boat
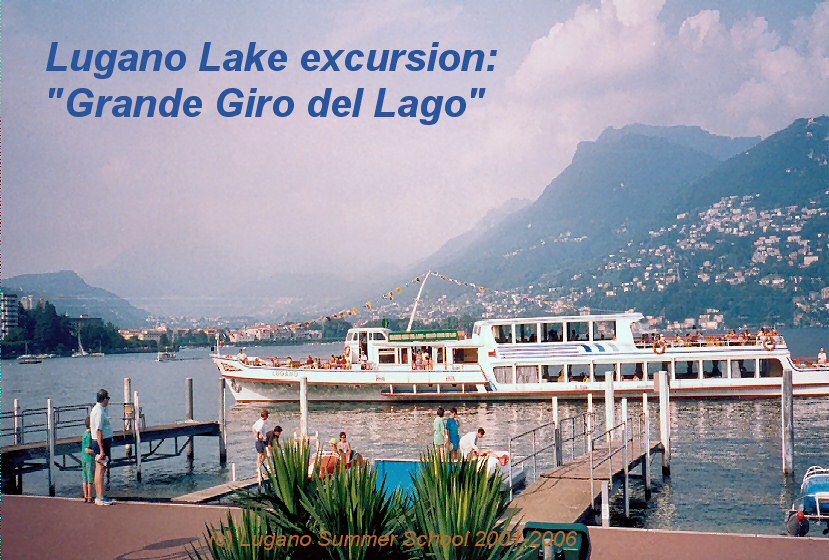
x=28 y=358
x=812 y=504
x=81 y=353
x=166 y=356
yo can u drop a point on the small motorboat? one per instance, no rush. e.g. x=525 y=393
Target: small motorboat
x=812 y=504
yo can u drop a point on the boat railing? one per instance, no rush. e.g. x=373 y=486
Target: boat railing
x=711 y=340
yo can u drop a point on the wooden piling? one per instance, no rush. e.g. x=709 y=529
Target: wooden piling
x=646 y=429
x=222 y=423
x=605 y=503
x=787 y=418
x=188 y=413
x=303 y=406
x=233 y=472
x=137 y=430
x=557 y=448
x=589 y=413
x=127 y=412
x=626 y=485
x=50 y=438
x=18 y=439
x=609 y=407
x=665 y=422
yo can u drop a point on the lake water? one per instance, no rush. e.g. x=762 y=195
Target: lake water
x=726 y=468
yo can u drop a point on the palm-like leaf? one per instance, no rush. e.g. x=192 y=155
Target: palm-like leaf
x=251 y=538
x=352 y=512
x=460 y=499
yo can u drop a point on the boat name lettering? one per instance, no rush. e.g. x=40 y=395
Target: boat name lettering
x=283 y=373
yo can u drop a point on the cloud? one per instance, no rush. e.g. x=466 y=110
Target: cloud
x=619 y=62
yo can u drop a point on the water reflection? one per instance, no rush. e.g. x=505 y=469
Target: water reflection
x=726 y=470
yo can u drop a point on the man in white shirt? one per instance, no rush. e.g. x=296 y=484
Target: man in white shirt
x=469 y=444
x=821 y=358
x=260 y=432
x=101 y=428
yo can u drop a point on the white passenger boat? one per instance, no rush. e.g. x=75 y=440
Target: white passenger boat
x=528 y=359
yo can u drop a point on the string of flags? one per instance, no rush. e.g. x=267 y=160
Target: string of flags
x=396 y=292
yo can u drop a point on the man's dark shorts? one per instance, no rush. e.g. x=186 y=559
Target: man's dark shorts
x=107 y=447
x=260 y=446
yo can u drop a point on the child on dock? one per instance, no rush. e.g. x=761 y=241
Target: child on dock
x=88 y=465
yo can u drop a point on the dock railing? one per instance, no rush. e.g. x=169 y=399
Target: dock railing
x=579 y=428
x=628 y=438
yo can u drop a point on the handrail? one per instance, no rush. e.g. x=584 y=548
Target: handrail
x=629 y=439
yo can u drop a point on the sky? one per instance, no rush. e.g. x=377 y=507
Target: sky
x=158 y=209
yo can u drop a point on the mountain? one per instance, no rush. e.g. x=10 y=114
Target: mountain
x=645 y=222
x=618 y=187
x=70 y=294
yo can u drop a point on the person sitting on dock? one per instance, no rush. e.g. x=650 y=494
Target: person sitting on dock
x=343 y=449
x=260 y=433
x=821 y=358
x=469 y=444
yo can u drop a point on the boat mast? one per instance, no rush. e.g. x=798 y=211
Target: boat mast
x=417 y=300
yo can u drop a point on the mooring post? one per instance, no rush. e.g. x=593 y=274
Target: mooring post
x=605 y=504
x=233 y=472
x=188 y=413
x=222 y=423
x=626 y=456
x=589 y=413
x=788 y=423
x=609 y=408
x=303 y=407
x=646 y=466
x=665 y=422
x=137 y=427
x=559 y=460
x=50 y=438
x=18 y=433
x=127 y=413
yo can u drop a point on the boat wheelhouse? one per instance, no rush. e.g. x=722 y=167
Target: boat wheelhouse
x=528 y=359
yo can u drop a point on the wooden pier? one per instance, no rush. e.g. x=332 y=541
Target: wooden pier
x=141 y=443
x=576 y=489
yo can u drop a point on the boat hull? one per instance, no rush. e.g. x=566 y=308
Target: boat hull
x=247 y=390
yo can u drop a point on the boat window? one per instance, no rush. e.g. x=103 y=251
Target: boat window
x=771 y=368
x=632 y=372
x=742 y=368
x=386 y=355
x=552 y=373
x=604 y=330
x=526 y=332
x=379 y=336
x=655 y=367
x=438 y=354
x=578 y=331
x=713 y=368
x=687 y=369
x=503 y=374
x=526 y=374
x=465 y=355
x=502 y=333
x=476 y=330
x=579 y=372
x=404 y=355
x=552 y=332
x=601 y=371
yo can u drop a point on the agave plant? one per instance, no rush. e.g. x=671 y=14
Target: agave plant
x=354 y=517
x=458 y=513
x=251 y=538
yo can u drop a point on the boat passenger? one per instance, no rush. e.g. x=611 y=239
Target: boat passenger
x=242 y=356
x=821 y=358
x=309 y=361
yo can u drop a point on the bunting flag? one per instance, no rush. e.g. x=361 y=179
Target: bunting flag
x=390 y=295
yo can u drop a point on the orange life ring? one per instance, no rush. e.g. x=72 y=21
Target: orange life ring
x=769 y=344
x=659 y=347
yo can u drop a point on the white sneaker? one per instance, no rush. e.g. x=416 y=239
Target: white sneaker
x=103 y=502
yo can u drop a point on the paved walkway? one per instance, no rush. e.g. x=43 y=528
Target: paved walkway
x=36 y=528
